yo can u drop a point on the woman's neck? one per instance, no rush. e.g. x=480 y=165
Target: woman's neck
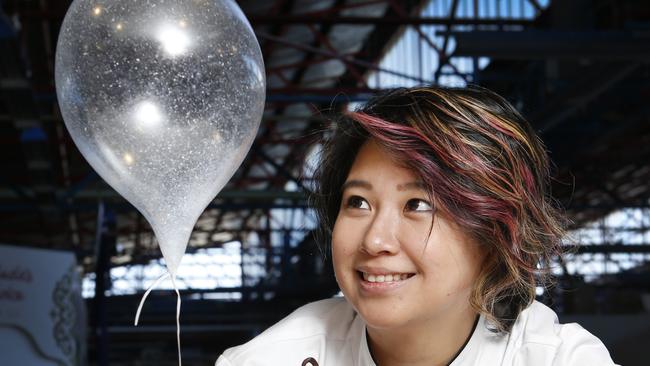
x=430 y=342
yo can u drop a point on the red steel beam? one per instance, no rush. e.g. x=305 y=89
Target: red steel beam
x=397 y=7
x=343 y=58
x=326 y=42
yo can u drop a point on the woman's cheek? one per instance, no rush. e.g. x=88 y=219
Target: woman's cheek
x=338 y=240
x=339 y=257
x=415 y=232
x=344 y=236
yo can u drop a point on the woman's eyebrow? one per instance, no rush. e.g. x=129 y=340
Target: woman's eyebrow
x=412 y=186
x=356 y=183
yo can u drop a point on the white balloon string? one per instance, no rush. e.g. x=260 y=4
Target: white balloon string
x=144 y=297
x=178 y=319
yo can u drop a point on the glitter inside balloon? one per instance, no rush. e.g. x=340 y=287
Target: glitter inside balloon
x=163 y=98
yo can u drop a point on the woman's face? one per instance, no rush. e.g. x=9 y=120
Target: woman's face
x=388 y=266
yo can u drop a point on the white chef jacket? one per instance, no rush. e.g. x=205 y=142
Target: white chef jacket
x=333 y=334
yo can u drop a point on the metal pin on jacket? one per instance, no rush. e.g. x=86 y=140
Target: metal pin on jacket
x=309 y=361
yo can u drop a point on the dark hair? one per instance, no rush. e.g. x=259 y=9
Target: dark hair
x=484 y=167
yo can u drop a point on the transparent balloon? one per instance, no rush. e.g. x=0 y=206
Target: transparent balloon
x=163 y=98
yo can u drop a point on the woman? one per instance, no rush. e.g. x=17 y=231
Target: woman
x=435 y=202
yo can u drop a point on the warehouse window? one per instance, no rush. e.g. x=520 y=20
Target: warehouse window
x=416 y=52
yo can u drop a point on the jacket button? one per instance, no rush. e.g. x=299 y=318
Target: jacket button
x=309 y=361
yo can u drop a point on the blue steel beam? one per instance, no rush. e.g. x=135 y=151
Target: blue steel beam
x=545 y=44
x=389 y=20
x=6 y=27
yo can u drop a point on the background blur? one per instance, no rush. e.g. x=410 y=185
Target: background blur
x=75 y=257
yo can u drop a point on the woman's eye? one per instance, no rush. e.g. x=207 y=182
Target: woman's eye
x=358 y=202
x=418 y=205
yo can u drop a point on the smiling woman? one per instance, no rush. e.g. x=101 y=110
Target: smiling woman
x=407 y=278
x=433 y=203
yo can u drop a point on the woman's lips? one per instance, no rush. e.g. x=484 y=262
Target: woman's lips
x=382 y=283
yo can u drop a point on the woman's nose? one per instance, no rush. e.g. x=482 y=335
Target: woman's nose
x=380 y=237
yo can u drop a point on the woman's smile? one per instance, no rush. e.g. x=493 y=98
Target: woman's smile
x=382 y=284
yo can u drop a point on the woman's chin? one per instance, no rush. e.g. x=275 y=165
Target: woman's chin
x=383 y=324
x=383 y=317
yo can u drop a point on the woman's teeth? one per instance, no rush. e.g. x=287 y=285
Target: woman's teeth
x=385 y=278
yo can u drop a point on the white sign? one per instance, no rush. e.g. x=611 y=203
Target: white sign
x=42 y=317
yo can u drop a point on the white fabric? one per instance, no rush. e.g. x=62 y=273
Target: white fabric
x=333 y=334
